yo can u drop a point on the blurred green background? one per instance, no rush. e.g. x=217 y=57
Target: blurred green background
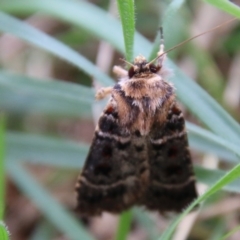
x=55 y=54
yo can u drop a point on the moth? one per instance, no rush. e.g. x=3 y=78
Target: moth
x=139 y=154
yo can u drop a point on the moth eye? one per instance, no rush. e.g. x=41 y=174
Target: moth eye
x=109 y=110
x=176 y=110
x=154 y=68
x=131 y=72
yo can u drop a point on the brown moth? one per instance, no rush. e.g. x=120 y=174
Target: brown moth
x=139 y=154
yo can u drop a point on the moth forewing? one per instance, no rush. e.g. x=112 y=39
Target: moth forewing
x=139 y=154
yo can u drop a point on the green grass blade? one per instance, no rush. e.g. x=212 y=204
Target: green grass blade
x=3 y=229
x=2 y=164
x=167 y=23
x=44 y=230
x=226 y=6
x=124 y=225
x=73 y=12
x=20 y=94
x=148 y=224
x=30 y=34
x=228 y=178
x=126 y=11
x=210 y=177
x=202 y=105
x=229 y=234
x=204 y=60
x=53 y=211
x=203 y=138
x=77 y=13
x=45 y=150
x=4 y=234
x=218 y=230
x=200 y=143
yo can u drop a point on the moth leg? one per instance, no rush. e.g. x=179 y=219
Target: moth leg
x=103 y=92
x=120 y=72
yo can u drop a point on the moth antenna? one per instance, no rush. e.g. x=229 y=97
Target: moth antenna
x=161 y=40
x=188 y=40
x=161 y=49
x=123 y=60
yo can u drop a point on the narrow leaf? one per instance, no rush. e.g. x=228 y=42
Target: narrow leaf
x=32 y=35
x=2 y=164
x=21 y=94
x=226 y=6
x=124 y=225
x=229 y=234
x=126 y=11
x=45 y=150
x=56 y=213
x=229 y=177
x=4 y=234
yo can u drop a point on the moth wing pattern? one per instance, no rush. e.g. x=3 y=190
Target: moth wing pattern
x=139 y=154
x=171 y=182
x=113 y=177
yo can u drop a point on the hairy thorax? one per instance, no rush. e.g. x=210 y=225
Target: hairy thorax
x=139 y=98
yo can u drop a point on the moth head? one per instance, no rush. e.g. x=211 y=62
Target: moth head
x=140 y=65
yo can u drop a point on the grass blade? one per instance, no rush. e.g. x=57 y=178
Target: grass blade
x=229 y=177
x=3 y=229
x=2 y=164
x=147 y=223
x=44 y=230
x=52 y=210
x=169 y=16
x=45 y=150
x=228 y=235
x=202 y=105
x=77 y=13
x=209 y=177
x=226 y=6
x=124 y=225
x=20 y=94
x=203 y=138
x=4 y=234
x=42 y=40
x=126 y=11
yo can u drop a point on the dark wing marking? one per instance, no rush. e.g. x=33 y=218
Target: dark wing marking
x=114 y=175
x=172 y=183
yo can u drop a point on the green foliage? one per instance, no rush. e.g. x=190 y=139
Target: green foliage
x=226 y=6
x=3 y=229
x=126 y=11
x=52 y=210
x=229 y=177
x=2 y=165
x=21 y=95
x=124 y=225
